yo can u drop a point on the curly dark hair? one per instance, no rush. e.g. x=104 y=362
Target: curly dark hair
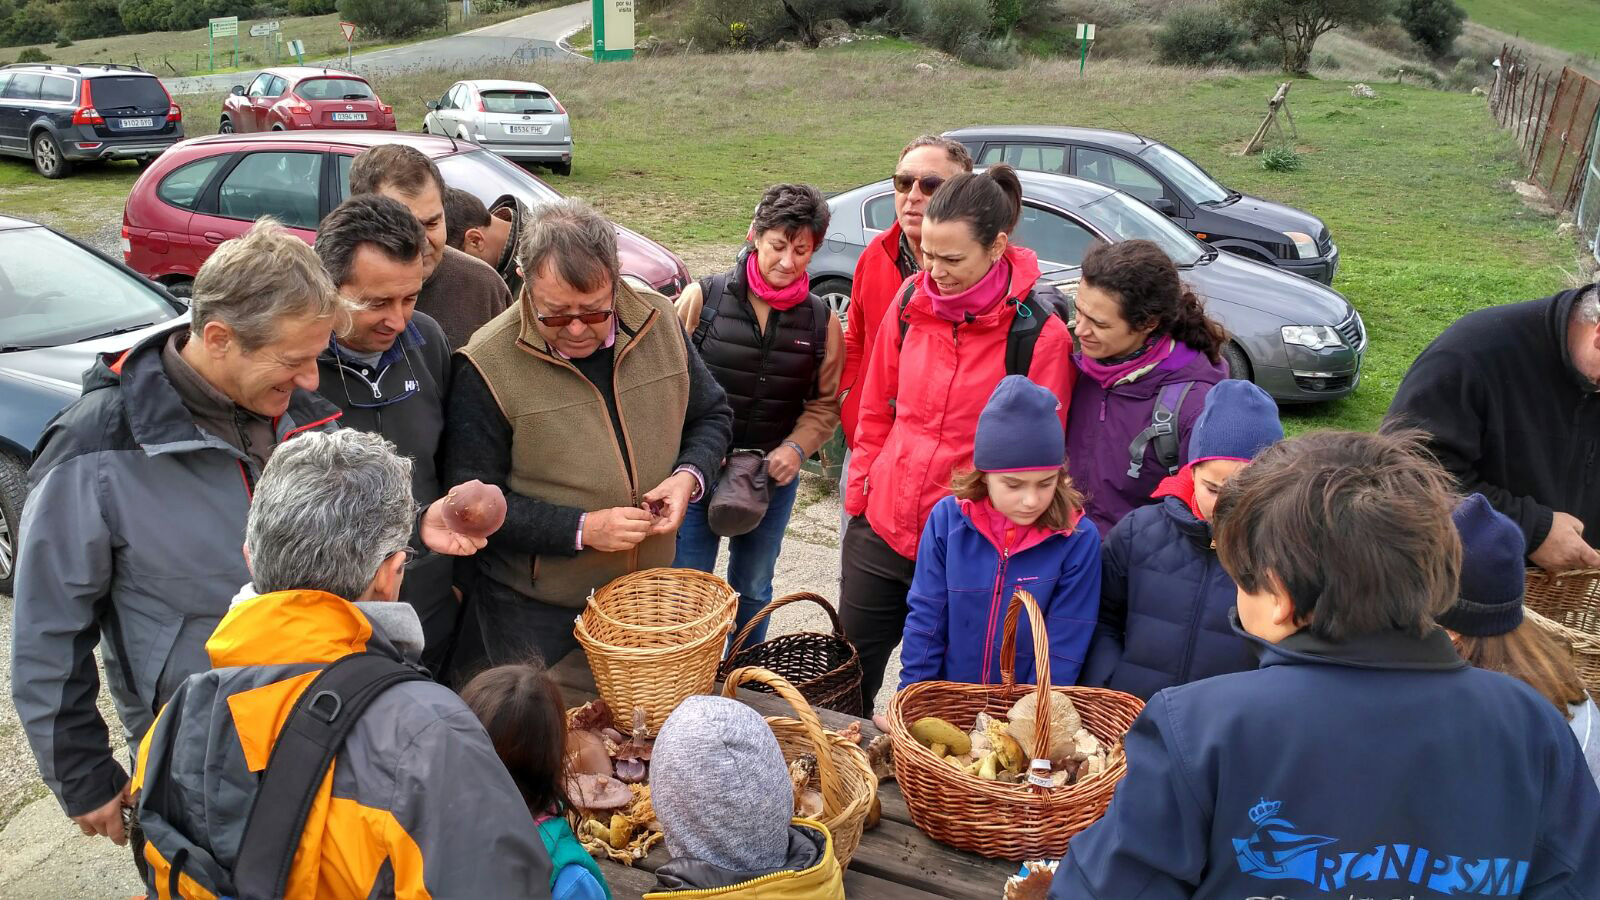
x=791 y=207
x=1145 y=282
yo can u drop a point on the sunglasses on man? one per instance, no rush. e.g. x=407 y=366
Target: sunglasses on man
x=563 y=320
x=929 y=183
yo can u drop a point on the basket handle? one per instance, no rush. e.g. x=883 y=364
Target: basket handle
x=1041 y=663
x=774 y=606
x=826 y=774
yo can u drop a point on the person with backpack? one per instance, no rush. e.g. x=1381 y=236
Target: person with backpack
x=315 y=758
x=1148 y=355
x=777 y=351
x=975 y=314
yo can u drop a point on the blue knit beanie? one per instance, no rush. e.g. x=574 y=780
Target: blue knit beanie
x=1238 y=421
x=1019 y=429
x=1493 y=573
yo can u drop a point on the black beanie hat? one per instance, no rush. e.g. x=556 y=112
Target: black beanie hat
x=1493 y=574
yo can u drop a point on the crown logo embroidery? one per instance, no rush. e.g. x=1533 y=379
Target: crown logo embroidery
x=1264 y=810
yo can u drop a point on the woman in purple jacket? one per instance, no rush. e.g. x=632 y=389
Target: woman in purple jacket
x=1147 y=355
x=1015 y=522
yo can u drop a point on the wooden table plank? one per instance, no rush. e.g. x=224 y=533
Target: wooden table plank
x=895 y=860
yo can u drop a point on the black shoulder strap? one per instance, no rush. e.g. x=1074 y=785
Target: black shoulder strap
x=1041 y=302
x=907 y=291
x=712 y=288
x=820 y=315
x=1163 y=430
x=315 y=730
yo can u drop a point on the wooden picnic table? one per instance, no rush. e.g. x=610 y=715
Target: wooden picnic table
x=894 y=862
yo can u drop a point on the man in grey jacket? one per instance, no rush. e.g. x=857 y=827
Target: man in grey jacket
x=133 y=532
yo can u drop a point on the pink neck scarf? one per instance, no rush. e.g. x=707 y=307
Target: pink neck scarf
x=1145 y=362
x=976 y=300
x=780 y=299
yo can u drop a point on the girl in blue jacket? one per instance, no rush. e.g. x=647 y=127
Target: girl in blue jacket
x=1164 y=598
x=1014 y=522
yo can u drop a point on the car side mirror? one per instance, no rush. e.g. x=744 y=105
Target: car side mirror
x=1164 y=205
x=238 y=90
x=432 y=104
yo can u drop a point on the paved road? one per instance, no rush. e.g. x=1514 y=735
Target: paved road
x=535 y=36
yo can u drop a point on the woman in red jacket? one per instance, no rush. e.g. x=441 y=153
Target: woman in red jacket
x=949 y=340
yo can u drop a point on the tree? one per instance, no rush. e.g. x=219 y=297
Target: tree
x=393 y=18
x=1435 y=24
x=89 y=18
x=1298 y=23
x=35 y=23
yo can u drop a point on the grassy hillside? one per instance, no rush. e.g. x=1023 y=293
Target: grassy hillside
x=1571 y=25
x=1412 y=184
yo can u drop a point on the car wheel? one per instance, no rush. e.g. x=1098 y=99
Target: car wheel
x=1238 y=363
x=183 y=289
x=278 y=128
x=13 y=490
x=226 y=126
x=48 y=158
x=564 y=169
x=836 y=293
x=425 y=129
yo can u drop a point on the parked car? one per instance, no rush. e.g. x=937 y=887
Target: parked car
x=51 y=329
x=294 y=98
x=58 y=115
x=210 y=189
x=1299 y=340
x=1291 y=239
x=519 y=120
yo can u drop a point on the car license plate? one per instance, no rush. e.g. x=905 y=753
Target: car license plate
x=137 y=123
x=349 y=117
x=527 y=129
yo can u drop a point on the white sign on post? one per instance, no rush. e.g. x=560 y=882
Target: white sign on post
x=262 y=29
x=349 y=29
x=297 y=47
x=1085 y=32
x=225 y=26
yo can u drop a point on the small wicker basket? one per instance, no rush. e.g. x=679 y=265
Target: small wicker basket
x=847 y=782
x=654 y=637
x=1567 y=605
x=991 y=818
x=824 y=668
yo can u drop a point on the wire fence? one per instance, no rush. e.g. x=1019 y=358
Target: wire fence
x=1553 y=116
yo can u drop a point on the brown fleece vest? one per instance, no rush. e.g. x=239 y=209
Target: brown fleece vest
x=563 y=448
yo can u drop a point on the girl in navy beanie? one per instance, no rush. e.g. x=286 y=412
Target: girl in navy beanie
x=1015 y=521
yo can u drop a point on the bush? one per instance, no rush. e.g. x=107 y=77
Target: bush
x=312 y=7
x=1464 y=77
x=82 y=19
x=34 y=23
x=32 y=55
x=393 y=18
x=1435 y=24
x=1004 y=15
x=989 y=53
x=954 y=23
x=1200 y=36
x=1280 y=159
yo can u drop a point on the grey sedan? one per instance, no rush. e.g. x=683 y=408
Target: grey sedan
x=519 y=120
x=1299 y=340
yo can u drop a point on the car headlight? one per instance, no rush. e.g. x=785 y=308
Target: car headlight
x=1304 y=246
x=1312 y=337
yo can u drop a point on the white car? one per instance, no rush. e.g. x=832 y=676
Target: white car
x=519 y=120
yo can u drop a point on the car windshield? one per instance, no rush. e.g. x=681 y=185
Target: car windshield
x=54 y=292
x=334 y=89
x=489 y=177
x=128 y=92
x=1190 y=178
x=1129 y=219
x=518 y=102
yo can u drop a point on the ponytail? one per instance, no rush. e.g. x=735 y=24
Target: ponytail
x=990 y=202
x=1145 y=282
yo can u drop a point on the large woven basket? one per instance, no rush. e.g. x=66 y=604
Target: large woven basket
x=995 y=819
x=1567 y=605
x=847 y=782
x=654 y=637
x=824 y=668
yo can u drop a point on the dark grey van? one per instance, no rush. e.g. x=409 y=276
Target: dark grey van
x=57 y=115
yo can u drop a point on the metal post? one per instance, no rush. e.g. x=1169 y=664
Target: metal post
x=1083 y=55
x=1583 y=87
x=211 y=42
x=1585 y=155
x=1542 y=136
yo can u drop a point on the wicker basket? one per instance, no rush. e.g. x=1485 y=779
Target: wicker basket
x=847 y=782
x=1567 y=605
x=824 y=668
x=639 y=657
x=995 y=819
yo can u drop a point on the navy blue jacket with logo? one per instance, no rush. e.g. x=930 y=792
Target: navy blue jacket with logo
x=1382 y=766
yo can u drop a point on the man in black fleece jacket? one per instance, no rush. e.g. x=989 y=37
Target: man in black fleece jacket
x=1508 y=398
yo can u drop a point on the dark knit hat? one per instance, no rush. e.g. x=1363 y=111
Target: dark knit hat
x=1019 y=429
x=1239 y=420
x=1489 y=601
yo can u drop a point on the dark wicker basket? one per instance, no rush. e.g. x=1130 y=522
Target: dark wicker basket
x=824 y=668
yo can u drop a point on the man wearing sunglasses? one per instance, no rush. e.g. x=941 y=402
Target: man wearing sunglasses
x=890 y=259
x=587 y=403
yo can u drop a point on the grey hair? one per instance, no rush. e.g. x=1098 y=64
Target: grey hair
x=1587 y=309
x=329 y=509
x=259 y=278
x=578 y=244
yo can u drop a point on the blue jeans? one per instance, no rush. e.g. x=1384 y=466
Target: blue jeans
x=752 y=556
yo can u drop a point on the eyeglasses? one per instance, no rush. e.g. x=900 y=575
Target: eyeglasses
x=593 y=318
x=929 y=183
x=411 y=554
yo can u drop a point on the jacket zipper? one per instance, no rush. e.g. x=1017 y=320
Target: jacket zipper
x=994 y=604
x=1195 y=623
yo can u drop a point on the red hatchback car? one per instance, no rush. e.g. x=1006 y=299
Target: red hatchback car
x=206 y=190
x=299 y=97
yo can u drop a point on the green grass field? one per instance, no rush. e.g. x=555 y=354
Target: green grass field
x=1412 y=185
x=1572 y=25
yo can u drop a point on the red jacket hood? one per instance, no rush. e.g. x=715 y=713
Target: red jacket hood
x=1181 y=486
x=980 y=513
x=1024 y=275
